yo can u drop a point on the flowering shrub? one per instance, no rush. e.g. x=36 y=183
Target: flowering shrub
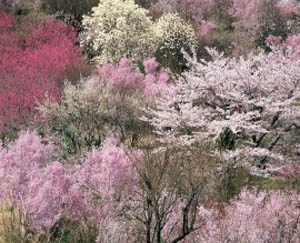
x=127 y=77
x=37 y=185
x=19 y=161
x=107 y=176
x=51 y=196
x=33 y=66
x=117 y=29
x=108 y=102
x=251 y=106
x=172 y=35
x=108 y=179
x=47 y=193
x=124 y=75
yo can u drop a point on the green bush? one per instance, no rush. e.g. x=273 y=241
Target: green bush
x=77 y=8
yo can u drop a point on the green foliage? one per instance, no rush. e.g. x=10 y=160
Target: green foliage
x=73 y=7
x=274 y=183
x=89 y=111
x=68 y=232
x=232 y=181
x=79 y=118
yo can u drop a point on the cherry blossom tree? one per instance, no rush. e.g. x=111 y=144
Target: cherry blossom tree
x=249 y=106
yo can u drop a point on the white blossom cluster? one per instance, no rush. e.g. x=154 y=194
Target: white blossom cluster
x=256 y=98
x=121 y=28
x=116 y=29
x=172 y=34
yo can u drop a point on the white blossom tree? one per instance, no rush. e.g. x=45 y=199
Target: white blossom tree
x=250 y=106
x=121 y=28
x=116 y=29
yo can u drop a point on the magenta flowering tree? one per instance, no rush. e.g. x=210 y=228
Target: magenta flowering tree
x=33 y=65
x=249 y=106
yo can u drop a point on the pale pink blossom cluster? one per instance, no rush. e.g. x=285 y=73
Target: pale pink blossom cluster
x=255 y=98
x=36 y=184
x=291 y=44
x=254 y=217
x=108 y=179
x=206 y=28
x=287 y=7
x=246 y=12
x=46 y=191
x=111 y=167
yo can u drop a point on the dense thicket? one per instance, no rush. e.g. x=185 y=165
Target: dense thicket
x=158 y=121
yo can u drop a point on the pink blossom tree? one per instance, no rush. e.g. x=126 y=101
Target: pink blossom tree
x=34 y=183
x=253 y=217
x=251 y=106
x=108 y=179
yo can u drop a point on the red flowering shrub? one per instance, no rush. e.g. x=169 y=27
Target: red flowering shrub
x=32 y=65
